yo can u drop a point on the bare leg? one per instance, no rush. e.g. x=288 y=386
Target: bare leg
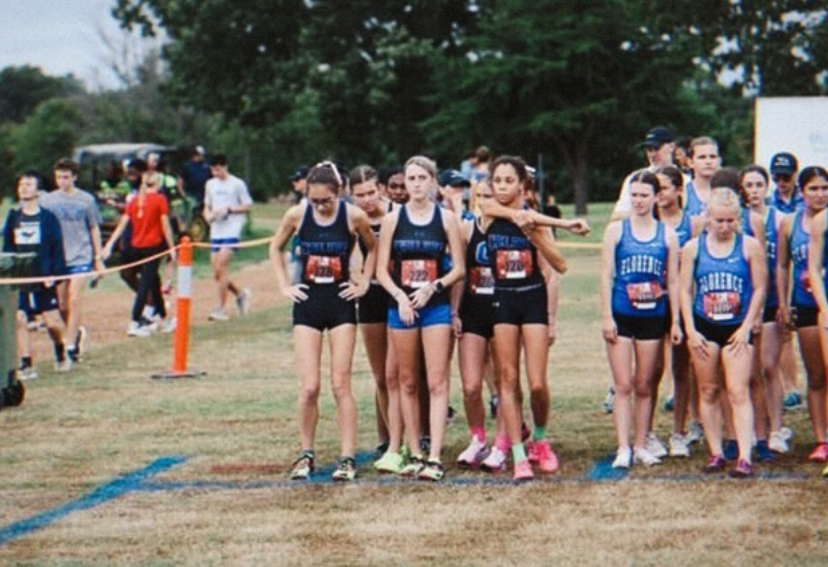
x=472 y=353
x=737 y=370
x=437 y=349
x=407 y=347
x=375 y=339
x=620 y=355
x=681 y=387
x=648 y=369
x=811 y=351
x=536 y=343
x=506 y=349
x=774 y=390
x=709 y=381
x=308 y=349
x=342 y=340
x=392 y=379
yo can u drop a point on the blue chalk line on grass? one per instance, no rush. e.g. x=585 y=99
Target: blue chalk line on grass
x=602 y=471
x=115 y=489
x=142 y=481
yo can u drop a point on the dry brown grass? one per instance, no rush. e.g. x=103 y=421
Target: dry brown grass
x=237 y=426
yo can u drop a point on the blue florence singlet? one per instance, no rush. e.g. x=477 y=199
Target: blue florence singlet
x=724 y=286
x=802 y=295
x=639 y=288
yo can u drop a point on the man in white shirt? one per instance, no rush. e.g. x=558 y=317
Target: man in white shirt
x=659 y=146
x=226 y=202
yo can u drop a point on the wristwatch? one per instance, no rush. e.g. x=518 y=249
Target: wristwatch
x=439 y=287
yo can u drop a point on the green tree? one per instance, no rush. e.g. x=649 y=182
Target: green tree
x=768 y=47
x=47 y=135
x=358 y=72
x=561 y=78
x=23 y=88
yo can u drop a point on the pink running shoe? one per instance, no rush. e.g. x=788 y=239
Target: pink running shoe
x=523 y=470
x=820 y=453
x=547 y=459
x=532 y=452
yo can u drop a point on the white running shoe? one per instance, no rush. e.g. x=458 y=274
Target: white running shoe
x=655 y=446
x=623 y=458
x=643 y=456
x=167 y=326
x=495 y=461
x=474 y=454
x=244 y=301
x=786 y=432
x=678 y=447
x=26 y=373
x=777 y=442
x=218 y=314
x=140 y=330
x=695 y=433
x=64 y=365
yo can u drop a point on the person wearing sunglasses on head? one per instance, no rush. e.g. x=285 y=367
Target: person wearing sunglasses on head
x=786 y=196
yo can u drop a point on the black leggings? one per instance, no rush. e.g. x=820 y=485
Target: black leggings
x=149 y=282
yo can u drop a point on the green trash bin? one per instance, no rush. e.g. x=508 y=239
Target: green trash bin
x=11 y=266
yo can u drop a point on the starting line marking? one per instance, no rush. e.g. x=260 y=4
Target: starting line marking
x=104 y=493
x=141 y=481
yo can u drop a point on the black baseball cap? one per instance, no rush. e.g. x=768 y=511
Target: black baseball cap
x=453 y=178
x=658 y=136
x=783 y=163
x=300 y=173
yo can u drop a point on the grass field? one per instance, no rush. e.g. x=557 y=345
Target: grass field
x=108 y=467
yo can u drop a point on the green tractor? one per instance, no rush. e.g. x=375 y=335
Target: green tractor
x=97 y=163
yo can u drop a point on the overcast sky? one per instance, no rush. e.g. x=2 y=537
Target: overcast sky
x=60 y=37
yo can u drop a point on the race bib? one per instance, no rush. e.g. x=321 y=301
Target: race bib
x=323 y=269
x=721 y=305
x=481 y=280
x=514 y=264
x=416 y=274
x=644 y=295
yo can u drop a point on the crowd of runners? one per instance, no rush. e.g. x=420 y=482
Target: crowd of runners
x=715 y=265
x=705 y=271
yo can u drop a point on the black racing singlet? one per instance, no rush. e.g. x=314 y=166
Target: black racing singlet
x=480 y=280
x=325 y=250
x=418 y=253
x=514 y=258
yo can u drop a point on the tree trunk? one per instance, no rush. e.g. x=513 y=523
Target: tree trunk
x=574 y=156
x=580 y=180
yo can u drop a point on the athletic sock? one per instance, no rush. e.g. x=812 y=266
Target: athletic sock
x=518 y=453
x=26 y=361
x=502 y=442
x=72 y=353
x=479 y=433
x=60 y=351
x=539 y=433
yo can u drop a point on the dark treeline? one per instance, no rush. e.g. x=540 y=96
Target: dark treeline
x=276 y=83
